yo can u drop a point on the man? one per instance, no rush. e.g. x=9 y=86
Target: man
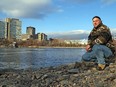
x=99 y=44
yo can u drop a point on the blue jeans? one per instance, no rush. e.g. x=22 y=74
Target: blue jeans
x=97 y=54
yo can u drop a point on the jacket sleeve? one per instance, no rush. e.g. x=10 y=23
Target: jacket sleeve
x=89 y=40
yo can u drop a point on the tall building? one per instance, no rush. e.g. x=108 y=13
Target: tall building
x=7 y=28
x=2 y=30
x=41 y=36
x=30 y=31
x=12 y=28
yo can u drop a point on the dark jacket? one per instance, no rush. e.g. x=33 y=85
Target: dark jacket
x=101 y=35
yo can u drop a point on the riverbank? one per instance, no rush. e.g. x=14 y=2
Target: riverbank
x=44 y=47
x=71 y=75
x=54 y=47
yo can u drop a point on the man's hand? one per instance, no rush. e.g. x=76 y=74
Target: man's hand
x=88 y=48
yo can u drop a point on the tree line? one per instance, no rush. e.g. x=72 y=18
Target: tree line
x=37 y=43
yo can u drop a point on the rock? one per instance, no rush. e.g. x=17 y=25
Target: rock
x=112 y=70
x=18 y=77
x=94 y=69
x=73 y=71
x=34 y=77
x=77 y=65
x=44 y=76
x=64 y=82
x=111 y=65
x=34 y=85
x=110 y=78
x=115 y=80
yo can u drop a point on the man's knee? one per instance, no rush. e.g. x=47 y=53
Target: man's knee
x=96 y=48
x=84 y=58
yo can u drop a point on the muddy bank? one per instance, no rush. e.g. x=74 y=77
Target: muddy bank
x=71 y=75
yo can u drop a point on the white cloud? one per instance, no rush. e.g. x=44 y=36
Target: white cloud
x=108 y=2
x=113 y=31
x=27 y=8
x=88 y=1
x=70 y=32
x=78 y=1
x=37 y=8
x=74 y=34
x=32 y=8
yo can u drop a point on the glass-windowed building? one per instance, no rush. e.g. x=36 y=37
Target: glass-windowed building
x=2 y=30
x=30 y=30
x=13 y=28
x=41 y=37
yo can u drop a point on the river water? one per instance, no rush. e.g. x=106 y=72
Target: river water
x=34 y=58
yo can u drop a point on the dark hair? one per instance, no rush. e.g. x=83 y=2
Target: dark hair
x=96 y=17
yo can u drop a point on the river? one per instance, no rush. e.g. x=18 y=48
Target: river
x=34 y=58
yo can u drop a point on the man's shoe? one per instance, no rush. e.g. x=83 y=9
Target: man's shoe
x=101 y=66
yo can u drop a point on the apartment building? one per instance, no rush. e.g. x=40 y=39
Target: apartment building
x=10 y=28
x=30 y=30
x=41 y=36
x=2 y=30
x=13 y=28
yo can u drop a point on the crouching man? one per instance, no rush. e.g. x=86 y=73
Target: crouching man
x=100 y=44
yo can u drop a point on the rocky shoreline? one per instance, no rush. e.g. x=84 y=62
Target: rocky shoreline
x=71 y=75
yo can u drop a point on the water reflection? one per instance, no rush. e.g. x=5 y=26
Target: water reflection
x=24 y=58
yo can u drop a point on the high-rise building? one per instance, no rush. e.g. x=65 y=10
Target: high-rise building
x=2 y=30
x=12 y=28
x=7 y=28
x=30 y=31
x=41 y=36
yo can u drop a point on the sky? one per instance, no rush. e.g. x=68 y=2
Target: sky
x=60 y=18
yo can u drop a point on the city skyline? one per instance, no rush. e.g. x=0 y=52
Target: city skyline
x=60 y=18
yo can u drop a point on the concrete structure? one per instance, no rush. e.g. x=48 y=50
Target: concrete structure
x=12 y=28
x=25 y=37
x=41 y=36
x=30 y=30
x=2 y=30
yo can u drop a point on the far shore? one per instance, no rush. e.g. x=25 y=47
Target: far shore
x=44 y=47
x=54 y=47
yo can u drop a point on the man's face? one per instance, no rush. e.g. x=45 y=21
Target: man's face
x=96 y=22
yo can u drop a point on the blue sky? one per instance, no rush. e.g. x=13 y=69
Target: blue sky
x=60 y=17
